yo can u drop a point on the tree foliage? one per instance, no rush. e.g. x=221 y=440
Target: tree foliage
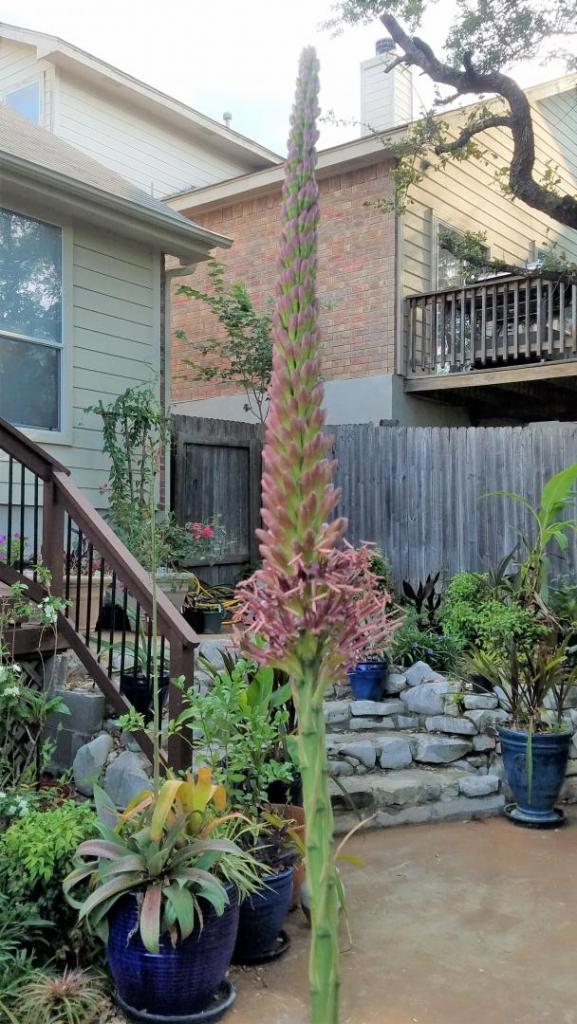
x=486 y=39
x=243 y=354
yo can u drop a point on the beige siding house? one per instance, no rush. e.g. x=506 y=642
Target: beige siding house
x=406 y=338
x=81 y=288
x=153 y=140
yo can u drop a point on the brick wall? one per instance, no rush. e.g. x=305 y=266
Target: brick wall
x=356 y=276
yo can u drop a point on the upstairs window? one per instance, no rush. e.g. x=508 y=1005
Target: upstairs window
x=25 y=100
x=30 y=321
x=453 y=270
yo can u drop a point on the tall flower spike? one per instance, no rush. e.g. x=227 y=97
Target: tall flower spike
x=314 y=602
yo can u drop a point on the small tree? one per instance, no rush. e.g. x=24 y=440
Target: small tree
x=243 y=355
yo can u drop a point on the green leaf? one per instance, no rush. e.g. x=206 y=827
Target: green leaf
x=112 y=888
x=183 y=905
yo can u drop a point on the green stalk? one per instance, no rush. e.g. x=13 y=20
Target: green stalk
x=155 y=687
x=324 y=975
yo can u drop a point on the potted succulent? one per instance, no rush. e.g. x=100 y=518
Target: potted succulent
x=165 y=880
x=535 y=743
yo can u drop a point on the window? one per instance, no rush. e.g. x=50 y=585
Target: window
x=30 y=321
x=452 y=270
x=26 y=101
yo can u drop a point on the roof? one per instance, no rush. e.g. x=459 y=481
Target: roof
x=336 y=159
x=32 y=158
x=66 y=55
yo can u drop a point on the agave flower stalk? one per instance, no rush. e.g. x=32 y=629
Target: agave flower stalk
x=314 y=601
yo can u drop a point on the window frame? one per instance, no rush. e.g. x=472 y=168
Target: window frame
x=438 y=225
x=62 y=436
x=23 y=84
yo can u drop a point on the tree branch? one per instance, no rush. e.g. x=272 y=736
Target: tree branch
x=497 y=121
x=562 y=208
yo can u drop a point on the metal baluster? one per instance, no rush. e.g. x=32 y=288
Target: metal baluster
x=112 y=622
x=9 y=527
x=78 y=580
x=89 y=593
x=35 y=526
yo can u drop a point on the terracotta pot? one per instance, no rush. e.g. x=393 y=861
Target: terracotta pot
x=292 y=812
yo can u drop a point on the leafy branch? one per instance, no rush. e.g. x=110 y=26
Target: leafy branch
x=243 y=355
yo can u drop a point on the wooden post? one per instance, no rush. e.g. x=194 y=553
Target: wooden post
x=53 y=536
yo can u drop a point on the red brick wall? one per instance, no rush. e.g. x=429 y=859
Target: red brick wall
x=356 y=276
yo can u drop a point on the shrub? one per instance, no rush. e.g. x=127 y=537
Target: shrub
x=475 y=616
x=411 y=643
x=36 y=854
x=73 y=997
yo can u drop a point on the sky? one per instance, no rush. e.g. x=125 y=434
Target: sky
x=227 y=55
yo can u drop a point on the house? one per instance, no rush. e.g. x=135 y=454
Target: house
x=150 y=139
x=404 y=339
x=82 y=286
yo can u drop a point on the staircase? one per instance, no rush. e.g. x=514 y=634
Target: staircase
x=88 y=566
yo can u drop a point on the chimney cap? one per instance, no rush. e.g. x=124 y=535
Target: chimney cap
x=227 y=118
x=386 y=45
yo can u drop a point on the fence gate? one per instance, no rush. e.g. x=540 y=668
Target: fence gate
x=216 y=471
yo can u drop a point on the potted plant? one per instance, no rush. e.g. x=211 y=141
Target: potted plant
x=368 y=677
x=203 y=613
x=240 y=726
x=535 y=744
x=165 y=880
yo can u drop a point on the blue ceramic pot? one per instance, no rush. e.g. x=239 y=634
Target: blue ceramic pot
x=367 y=679
x=177 y=981
x=535 y=800
x=262 y=916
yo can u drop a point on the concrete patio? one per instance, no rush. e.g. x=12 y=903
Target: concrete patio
x=465 y=923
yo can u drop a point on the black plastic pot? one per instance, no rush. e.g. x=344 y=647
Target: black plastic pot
x=279 y=792
x=179 y=983
x=213 y=621
x=195 y=618
x=262 y=916
x=535 y=776
x=138 y=690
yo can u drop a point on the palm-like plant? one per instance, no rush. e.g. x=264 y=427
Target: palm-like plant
x=167 y=847
x=551 y=526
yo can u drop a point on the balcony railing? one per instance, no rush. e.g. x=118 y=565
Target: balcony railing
x=504 y=321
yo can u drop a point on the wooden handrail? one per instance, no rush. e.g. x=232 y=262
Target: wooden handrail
x=30 y=454
x=121 y=561
x=62 y=498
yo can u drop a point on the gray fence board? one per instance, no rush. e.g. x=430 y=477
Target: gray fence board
x=415 y=491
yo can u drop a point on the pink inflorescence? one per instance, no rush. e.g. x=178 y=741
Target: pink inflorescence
x=310 y=583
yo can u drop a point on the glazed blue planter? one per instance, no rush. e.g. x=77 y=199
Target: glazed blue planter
x=179 y=981
x=262 y=916
x=367 y=679
x=535 y=800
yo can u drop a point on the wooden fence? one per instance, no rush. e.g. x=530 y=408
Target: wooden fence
x=418 y=492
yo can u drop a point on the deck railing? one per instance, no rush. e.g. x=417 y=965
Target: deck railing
x=108 y=619
x=499 y=322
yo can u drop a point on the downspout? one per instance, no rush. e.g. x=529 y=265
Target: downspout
x=167 y=276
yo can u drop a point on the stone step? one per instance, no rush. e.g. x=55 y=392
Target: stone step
x=413 y=796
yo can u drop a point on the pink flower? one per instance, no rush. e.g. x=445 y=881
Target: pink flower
x=207 y=531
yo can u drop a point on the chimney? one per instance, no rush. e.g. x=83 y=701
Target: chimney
x=386 y=97
x=227 y=118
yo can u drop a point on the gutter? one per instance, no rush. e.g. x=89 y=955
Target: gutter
x=189 y=234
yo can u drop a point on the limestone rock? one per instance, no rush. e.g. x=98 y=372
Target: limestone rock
x=126 y=777
x=336 y=712
x=479 y=785
x=447 y=723
x=420 y=673
x=89 y=762
x=483 y=743
x=394 y=752
x=371 y=724
x=439 y=749
x=339 y=768
x=362 y=751
x=406 y=721
x=376 y=708
x=464 y=766
x=480 y=701
x=487 y=719
x=395 y=683
x=425 y=698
